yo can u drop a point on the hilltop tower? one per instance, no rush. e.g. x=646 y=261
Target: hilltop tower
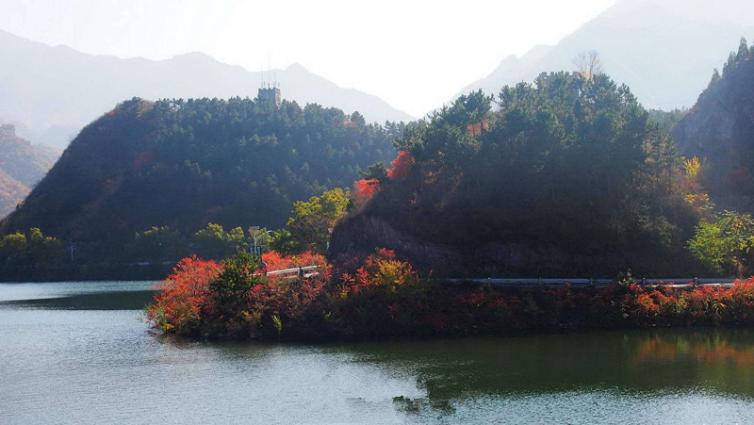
x=269 y=94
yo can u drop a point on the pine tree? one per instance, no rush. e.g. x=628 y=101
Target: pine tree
x=715 y=77
x=743 y=50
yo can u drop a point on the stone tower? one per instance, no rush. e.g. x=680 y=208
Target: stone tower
x=269 y=94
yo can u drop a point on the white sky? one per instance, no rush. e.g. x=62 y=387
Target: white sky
x=414 y=54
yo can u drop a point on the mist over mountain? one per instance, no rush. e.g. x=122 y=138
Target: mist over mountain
x=50 y=93
x=665 y=50
x=22 y=165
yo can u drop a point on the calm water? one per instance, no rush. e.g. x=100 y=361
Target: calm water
x=80 y=353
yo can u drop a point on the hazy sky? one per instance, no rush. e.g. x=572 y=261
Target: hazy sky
x=414 y=54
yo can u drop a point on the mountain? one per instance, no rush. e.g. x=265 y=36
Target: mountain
x=569 y=177
x=12 y=192
x=180 y=165
x=664 y=50
x=22 y=165
x=51 y=92
x=719 y=130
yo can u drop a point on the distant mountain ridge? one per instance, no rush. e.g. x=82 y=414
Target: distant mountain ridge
x=50 y=93
x=664 y=50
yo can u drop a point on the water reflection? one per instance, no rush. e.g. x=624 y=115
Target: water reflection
x=111 y=300
x=94 y=358
x=634 y=362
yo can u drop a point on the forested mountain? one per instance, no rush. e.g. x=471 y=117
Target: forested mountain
x=51 y=92
x=568 y=177
x=662 y=49
x=22 y=165
x=180 y=165
x=12 y=192
x=719 y=130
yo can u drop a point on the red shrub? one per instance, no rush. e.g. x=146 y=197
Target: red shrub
x=365 y=189
x=178 y=304
x=276 y=261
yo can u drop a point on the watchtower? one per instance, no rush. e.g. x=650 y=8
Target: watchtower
x=269 y=94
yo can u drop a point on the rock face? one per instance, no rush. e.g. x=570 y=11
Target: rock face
x=720 y=131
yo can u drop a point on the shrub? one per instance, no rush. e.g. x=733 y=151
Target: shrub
x=385 y=297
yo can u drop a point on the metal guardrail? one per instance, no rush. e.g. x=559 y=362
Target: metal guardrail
x=601 y=282
x=294 y=272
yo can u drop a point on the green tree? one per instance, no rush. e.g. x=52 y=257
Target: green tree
x=725 y=245
x=159 y=243
x=31 y=249
x=228 y=294
x=568 y=175
x=375 y=171
x=214 y=242
x=308 y=228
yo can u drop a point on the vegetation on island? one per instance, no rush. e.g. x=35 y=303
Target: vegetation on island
x=570 y=172
x=385 y=297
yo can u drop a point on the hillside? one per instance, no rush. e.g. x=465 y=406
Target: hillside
x=719 y=130
x=662 y=49
x=52 y=92
x=568 y=178
x=12 y=192
x=22 y=165
x=184 y=164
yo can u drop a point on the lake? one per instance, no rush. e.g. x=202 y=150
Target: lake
x=80 y=353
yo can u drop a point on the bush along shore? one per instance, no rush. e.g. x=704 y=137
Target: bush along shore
x=386 y=298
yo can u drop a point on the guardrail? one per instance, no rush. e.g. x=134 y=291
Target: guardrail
x=295 y=272
x=601 y=282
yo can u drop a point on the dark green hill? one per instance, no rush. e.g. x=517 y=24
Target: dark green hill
x=183 y=164
x=570 y=177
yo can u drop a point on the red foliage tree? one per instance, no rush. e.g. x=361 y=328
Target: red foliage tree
x=178 y=304
x=401 y=166
x=365 y=189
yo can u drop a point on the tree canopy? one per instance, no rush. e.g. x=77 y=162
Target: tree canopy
x=566 y=175
x=164 y=170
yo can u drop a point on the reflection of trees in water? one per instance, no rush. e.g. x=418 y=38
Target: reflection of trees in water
x=638 y=362
x=702 y=348
x=111 y=300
